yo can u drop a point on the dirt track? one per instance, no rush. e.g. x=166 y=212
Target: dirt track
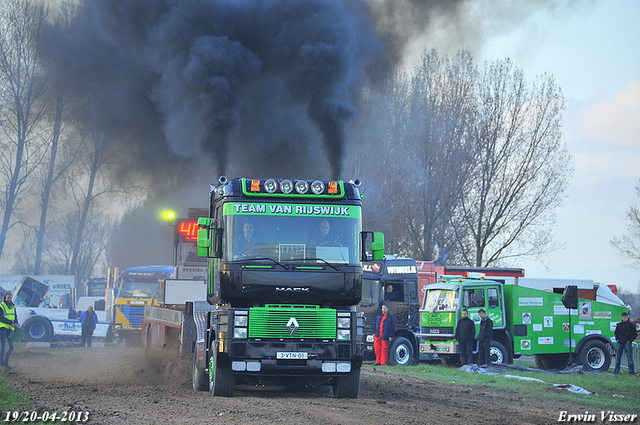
x=119 y=385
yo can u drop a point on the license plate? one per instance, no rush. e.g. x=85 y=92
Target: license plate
x=295 y=355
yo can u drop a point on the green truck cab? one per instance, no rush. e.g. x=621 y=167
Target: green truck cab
x=529 y=318
x=285 y=274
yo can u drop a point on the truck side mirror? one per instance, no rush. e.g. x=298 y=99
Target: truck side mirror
x=203 y=242
x=372 y=246
x=377 y=246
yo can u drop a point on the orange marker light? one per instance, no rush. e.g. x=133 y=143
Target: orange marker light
x=333 y=187
x=255 y=185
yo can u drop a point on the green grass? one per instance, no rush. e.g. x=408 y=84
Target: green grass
x=11 y=401
x=620 y=392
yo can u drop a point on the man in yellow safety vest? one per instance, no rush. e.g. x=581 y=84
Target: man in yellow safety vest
x=8 y=320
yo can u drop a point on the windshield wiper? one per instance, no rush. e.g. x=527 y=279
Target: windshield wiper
x=324 y=261
x=284 y=266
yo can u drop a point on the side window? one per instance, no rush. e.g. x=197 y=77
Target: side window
x=395 y=291
x=473 y=298
x=413 y=290
x=493 y=297
x=370 y=293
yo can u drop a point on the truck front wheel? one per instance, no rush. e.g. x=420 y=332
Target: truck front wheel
x=222 y=381
x=347 y=386
x=37 y=329
x=401 y=352
x=595 y=355
x=200 y=378
x=498 y=353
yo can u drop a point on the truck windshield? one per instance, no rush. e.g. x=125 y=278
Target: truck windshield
x=442 y=300
x=292 y=233
x=138 y=289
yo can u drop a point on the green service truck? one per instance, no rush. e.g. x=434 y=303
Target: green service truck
x=285 y=274
x=529 y=318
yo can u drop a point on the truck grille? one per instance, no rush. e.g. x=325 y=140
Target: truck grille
x=272 y=322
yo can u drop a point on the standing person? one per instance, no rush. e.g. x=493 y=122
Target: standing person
x=465 y=333
x=8 y=321
x=484 y=338
x=88 y=320
x=385 y=327
x=625 y=334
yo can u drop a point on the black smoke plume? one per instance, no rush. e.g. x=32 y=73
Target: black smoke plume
x=180 y=78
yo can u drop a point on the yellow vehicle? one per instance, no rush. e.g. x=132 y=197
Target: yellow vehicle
x=135 y=288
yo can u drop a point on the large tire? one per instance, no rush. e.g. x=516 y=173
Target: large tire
x=594 y=355
x=200 y=380
x=498 y=353
x=401 y=352
x=347 y=386
x=450 y=360
x=37 y=329
x=222 y=380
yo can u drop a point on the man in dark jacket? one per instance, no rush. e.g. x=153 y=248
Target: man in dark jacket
x=484 y=338
x=465 y=333
x=88 y=319
x=385 y=328
x=625 y=334
x=8 y=322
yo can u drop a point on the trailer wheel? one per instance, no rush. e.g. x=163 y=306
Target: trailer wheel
x=37 y=329
x=498 y=353
x=199 y=377
x=222 y=381
x=347 y=386
x=401 y=352
x=449 y=360
x=595 y=355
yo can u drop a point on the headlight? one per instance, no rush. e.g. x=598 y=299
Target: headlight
x=302 y=187
x=270 y=185
x=239 y=333
x=240 y=320
x=317 y=187
x=344 y=322
x=344 y=334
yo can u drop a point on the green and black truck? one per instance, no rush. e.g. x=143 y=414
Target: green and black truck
x=529 y=318
x=285 y=274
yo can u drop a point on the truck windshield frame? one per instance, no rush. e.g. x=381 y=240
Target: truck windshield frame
x=442 y=300
x=290 y=233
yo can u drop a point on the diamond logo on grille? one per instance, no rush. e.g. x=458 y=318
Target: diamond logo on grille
x=292 y=325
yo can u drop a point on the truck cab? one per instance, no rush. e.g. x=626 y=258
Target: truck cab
x=285 y=275
x=395 y=281
x=440 y=314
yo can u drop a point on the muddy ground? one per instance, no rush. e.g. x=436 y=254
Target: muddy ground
x=118 y=385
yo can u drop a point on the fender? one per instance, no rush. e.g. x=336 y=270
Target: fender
x=599 y=337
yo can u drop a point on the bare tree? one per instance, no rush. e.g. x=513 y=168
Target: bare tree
x=522 y=168
x=59 y=115
x=415 y=147
x=438 y=144
x=628 y=246
x=22 y=101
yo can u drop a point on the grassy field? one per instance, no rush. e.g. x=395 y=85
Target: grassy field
x=613 y=392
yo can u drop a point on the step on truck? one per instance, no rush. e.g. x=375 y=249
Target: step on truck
x=284 y=276
x=398 y=282
x=529 y=318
